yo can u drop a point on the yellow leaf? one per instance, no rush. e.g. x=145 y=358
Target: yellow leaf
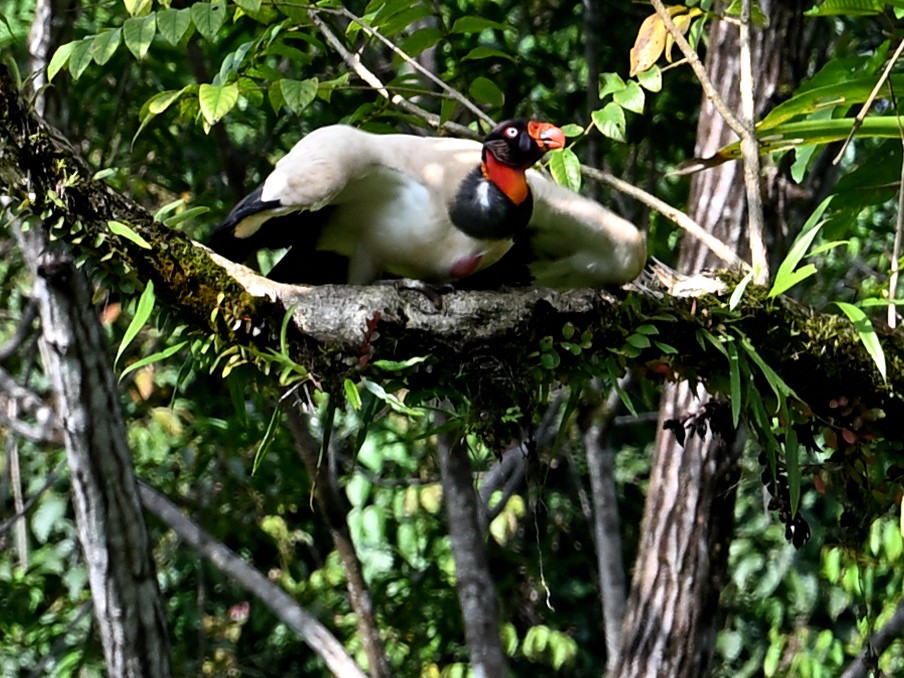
x=648 y=45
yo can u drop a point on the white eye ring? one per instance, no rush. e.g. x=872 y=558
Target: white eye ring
x=511 y=132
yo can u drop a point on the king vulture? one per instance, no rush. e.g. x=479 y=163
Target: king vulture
x=354 y=207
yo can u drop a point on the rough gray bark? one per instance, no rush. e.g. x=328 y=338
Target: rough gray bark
x=672 y=621
x=121 y=573
x=606 y=527
x=476 y=591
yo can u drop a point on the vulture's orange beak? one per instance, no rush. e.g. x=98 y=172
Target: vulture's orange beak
x=548 y=136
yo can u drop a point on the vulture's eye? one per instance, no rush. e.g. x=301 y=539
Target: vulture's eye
x=511 y=132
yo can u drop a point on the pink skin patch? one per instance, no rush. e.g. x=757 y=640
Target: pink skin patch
x=465 y=267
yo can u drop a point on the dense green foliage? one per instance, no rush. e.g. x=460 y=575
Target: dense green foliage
x=193 y=104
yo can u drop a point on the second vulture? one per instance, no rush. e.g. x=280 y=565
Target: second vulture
x=355 y=206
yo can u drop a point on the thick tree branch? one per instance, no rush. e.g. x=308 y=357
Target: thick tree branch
x=878 y=643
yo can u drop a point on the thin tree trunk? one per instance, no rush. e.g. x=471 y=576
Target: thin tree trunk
x=672 y=621
x=476 y=591
x=110 y=523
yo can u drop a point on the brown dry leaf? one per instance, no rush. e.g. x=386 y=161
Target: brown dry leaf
x=648 y=45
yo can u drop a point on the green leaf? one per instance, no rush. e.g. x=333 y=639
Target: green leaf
x=298 y=94
x=738 y=292
x=250 y=6
x=391 y=400
x=142 y=313
x=398 y=365
x=867 y=334
x=208 y=17
x=610 y=83
x=610 y=121
x=848 y=8
x=50 y=512
x=352 y=395
x=137 y=7
x=565 y=168
x=486 y=91
x=631 y=97
x=138 y=33
x=571 y=130
x=474 y=24
x=154 y=357
x=786 y=276
x=483 y=52
x=81 y=57
x=781 y=389
x=734 y=380
x=126 y=232
x=104 y=45
x=185 y=215
x=269 y=437
x=650 y=79
x=59 y=59
x=425 y=38
x=217 y=100
x=173 y=23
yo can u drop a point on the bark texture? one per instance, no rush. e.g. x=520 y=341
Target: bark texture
x=672 y=621
x=111 y=529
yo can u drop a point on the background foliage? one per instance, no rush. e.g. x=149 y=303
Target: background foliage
x=194 y=103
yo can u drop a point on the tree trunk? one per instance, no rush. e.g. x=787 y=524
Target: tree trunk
x=671 y=622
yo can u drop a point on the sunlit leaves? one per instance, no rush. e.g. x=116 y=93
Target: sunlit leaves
x=298 y=94
x=610 y=121
x=217 y=100
x=104 y=45
x=138 y=34
x=565 y=168
x=142 y=314
x=172 y=24
x=788 y=275
x=653 y=38
x=867 y=334
x=208 y=17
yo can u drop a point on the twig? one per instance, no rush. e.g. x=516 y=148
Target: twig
x=280 y=603
x=869 y=101
x=23 y=330
x=694 y=60
x=719 y=248
x=451 y=91
x=354 y=62
x=892 y=310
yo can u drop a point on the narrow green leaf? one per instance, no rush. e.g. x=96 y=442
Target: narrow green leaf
x=738 y=292
x=614 y=377
x=867 y=334
x=217 y=100
x=776 y=383
x=484 y=52
x=208 y=17
x=398 y=365
x=734 y=379
x=126 y=232
x=565 y=168
x=391 y=400
x=138 y=33
x=847 y=8
x=420 y=40
x=298 y=94
x=352 y=396
x=154 y=358
x=786 y=276
x=59 y=59
x=142 y=313
x=269 y=437
x=610 y=121
x=474 y=24
x=631 y=97
x=104 y=45
x=250 y=6
x=172 y=24
x=185 y=215
x=486 y=91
